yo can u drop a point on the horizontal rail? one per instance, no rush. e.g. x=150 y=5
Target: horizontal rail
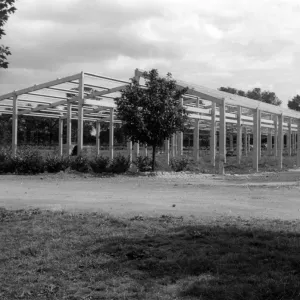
x=107 y=78
x=40 y=86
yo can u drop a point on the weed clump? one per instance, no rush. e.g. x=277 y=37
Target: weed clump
x=55 y=164
x=143 y=163
x=119 y=164
x=179 y=164
x=99 y=164
x=80 y=164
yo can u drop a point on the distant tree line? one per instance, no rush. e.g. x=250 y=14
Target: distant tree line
x=255 y=94
x=295 y=103
x=263 y=96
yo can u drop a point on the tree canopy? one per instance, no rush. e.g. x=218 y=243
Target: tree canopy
x=152 y=113
x=256 y=94
x=6 y=9
x=294 y=103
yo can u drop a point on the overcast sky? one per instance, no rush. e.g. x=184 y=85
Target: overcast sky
x=238 y=43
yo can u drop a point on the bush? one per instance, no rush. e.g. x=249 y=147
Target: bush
x=6 y=165
x=120 y=164
x=143 y=163
x=80 y=164
x=27 y=161
x=3 y=155
x=179 y=163
x=99 y=164
x=55 y=164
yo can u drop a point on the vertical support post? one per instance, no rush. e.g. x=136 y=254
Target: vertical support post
x=174 y=145
x=180 y=137
x=298 y=142
x=80 y=114
x=275 y=118
x=246 y=142
x=293 y=143
x=111 y=134
x=213 y=135
x=167 y=151
x=239 y=135
x=222 y=133
x=289 y=138
x=256 y=137
x=136 y=150
x=196 y=136
x=15 y=126
x=145 y=150
x=280 y=140
x=69 y=127
x=231 y=141
x=269 y=141
x=259 y=135
x=196 y=141
x=179 y=143
x=249 y=142
x=60 y=136
x=98 y=129
x=129 y=150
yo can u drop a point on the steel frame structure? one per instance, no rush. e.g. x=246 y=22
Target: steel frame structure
x=91 y=97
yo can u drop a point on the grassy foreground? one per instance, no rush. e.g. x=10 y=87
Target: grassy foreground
x=59 y=255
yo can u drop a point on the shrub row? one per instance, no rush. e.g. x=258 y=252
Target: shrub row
x=31 y=162
x=177 y=164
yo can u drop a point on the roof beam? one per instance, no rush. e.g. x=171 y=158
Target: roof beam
x=99 y=103
x=108 y=91
x=40 y=86
x=47 y=96
x=106 y=78
x=43 y=107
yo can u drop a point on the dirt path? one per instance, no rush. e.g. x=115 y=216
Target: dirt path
x=270 y=195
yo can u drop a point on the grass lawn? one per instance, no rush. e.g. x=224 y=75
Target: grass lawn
x=60 y=255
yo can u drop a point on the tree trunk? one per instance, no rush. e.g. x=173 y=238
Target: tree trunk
x=153 y=157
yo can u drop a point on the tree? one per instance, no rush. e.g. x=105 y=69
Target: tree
x=6 y=8
x=228 y=90
x=294 y=103
x=256 y=94
x=152 y=113
x=271 y=98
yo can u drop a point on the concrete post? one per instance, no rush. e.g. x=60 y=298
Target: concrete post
x=269 y=141
x=239 y=135
x=60 y=136
x=245 y=142
x=213 y=135
x=111 y=134
x=167 y=151
x=129 y=150
x=222 y=133
x=280 y=140
x=80 y=115
x=98 y=128
x=15 y=126
x=69 y=128
x=256 y=137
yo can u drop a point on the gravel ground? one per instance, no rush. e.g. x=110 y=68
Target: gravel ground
x=263 y=195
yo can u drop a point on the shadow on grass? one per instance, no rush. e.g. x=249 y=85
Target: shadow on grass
x=58 y=255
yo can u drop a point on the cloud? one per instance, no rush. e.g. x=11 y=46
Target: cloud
x=214 y=43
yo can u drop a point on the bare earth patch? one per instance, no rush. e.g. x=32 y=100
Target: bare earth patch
x=266 y=195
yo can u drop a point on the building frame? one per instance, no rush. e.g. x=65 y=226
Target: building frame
x=91 y=97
